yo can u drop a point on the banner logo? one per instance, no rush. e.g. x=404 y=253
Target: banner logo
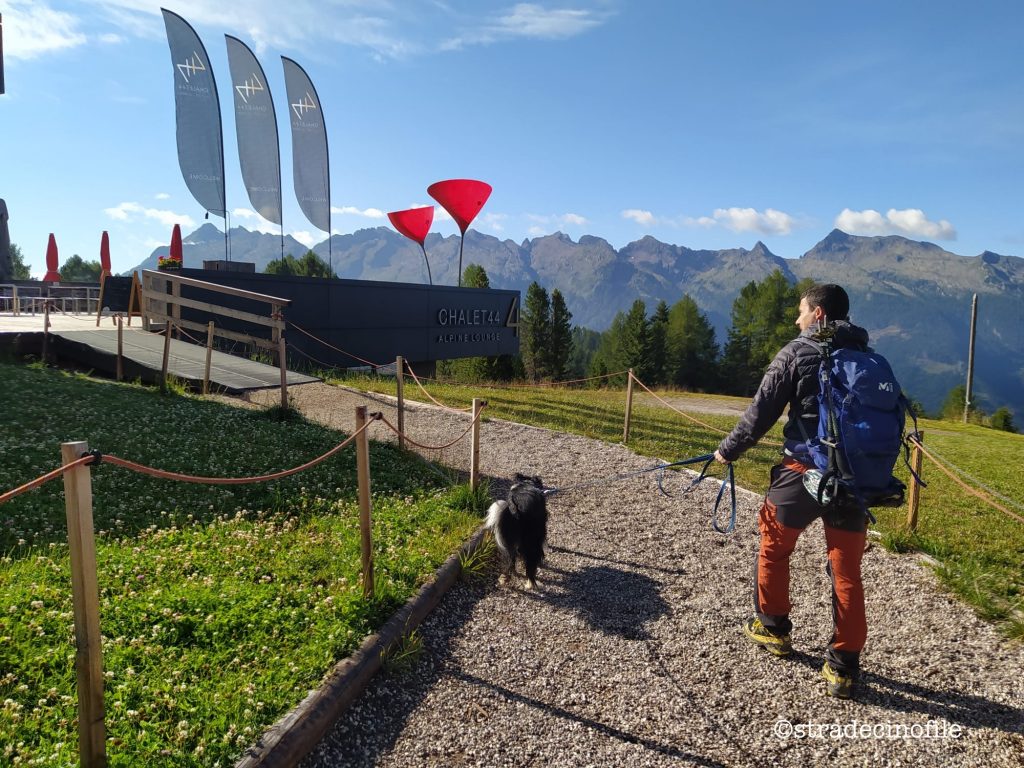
x=251 y=86
x=304 y=105
x=191 y=66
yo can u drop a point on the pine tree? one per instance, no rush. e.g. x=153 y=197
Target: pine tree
x=535 y=332
x=635 y=344
x=476 y=369
x=763 y=321
x=585 y=343
x=659 y=345
x=560 y=344
x=692 y=349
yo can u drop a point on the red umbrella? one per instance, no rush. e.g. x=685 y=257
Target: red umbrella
x=414 y=223
x=104 y=255
x=463 y=199
x=175 y=253
x=52 y=275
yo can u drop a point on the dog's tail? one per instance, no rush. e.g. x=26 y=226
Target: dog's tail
x=494 y=514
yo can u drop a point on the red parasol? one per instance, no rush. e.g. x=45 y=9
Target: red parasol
x=104 y=255
x=175 y=253
x=463 y=199
x=52 y=275
x=414 y=223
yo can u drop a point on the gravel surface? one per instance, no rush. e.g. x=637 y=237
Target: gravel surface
x=630 y=653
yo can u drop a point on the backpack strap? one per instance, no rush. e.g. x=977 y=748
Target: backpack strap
x=820 y=350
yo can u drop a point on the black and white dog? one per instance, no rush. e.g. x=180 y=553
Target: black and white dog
x=520 y=527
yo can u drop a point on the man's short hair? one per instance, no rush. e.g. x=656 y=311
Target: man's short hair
x=831 y=298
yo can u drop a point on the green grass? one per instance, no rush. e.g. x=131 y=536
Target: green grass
x=980 y=548
x=221 y=606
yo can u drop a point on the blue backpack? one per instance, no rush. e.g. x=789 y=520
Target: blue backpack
x=861 y=419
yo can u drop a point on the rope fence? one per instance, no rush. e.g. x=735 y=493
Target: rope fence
x=919 y=445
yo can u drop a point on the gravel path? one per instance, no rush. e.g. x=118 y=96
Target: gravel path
x=630 y=654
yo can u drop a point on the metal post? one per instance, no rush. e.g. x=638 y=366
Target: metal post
x=400 y=381
x=474 y=445
x=914 y=494
x=629 y=406
x=85 y=597
x=209 y=357
x=120 y=348
x=970 y=358
x=363 y=473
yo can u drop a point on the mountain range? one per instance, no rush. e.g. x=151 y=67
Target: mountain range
x=913 y=297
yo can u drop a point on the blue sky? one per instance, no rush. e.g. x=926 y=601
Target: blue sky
x=706 y=124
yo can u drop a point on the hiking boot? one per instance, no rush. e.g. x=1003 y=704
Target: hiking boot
x=779 y=645
x=836 y=683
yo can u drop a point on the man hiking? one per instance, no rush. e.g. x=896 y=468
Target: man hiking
x=792 y=378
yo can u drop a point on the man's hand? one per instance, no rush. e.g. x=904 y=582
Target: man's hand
x=720 y=458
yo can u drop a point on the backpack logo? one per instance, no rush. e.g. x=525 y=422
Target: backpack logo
x=886 y=386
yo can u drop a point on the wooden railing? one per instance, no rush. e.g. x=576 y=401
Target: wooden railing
x=162 y=302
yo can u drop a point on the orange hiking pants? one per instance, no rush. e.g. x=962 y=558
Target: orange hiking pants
x=787 y=510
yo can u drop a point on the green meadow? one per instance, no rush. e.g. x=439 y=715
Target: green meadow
x=220 y=606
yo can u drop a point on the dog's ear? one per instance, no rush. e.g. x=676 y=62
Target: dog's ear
x=537 y=482
x=521 y=478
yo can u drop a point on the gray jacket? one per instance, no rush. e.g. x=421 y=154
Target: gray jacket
x=792 y=377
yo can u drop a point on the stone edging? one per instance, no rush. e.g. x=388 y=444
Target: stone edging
x=296 y=734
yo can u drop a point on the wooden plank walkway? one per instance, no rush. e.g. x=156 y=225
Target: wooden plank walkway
x=80 y=340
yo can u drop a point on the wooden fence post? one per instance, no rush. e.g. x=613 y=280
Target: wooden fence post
x=282 y=354
x=209 y=356
x=474 y=445
x=167 y=355
x=914 y=494
x=46 y=329
x=92 y=749
x=363 y=472
x=400 y=382
x=629 y=406
x=120 y=348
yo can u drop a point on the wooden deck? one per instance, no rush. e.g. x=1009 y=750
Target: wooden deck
x=77 y=338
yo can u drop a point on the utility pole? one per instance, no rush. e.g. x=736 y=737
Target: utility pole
x=970 y=358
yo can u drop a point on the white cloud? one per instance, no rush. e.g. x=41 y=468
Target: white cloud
x=644 y=218
x=33 y=29
x=536 y=231
x=130 y=211
x=528 y=20
x=304 y=237
x=493 y=221
x=909 y=221
x=110 y=38
x=368 y=24
x=351 y=210
x=162 y=196
x=558 y=220
x=254 y=222
x=770 y=222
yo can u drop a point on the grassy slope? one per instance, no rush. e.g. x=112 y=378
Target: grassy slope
x=220 y=606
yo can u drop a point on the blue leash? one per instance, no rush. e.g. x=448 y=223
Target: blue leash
x=730 y=479
x=707 y=458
